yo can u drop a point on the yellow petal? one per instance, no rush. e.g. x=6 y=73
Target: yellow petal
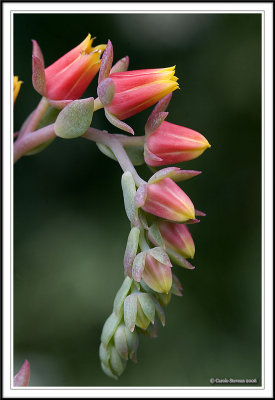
x=16 y=87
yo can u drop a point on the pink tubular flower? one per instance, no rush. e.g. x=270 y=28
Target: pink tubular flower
x=177 y=238
x=165 y=199
x=157 y=275
x=137 y=90
x=69 y=76
x=171 y=143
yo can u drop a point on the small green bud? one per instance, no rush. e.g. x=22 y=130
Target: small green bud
x=121 y=295
x=126 y=342
x=139 y=310
x=104 y=354
x=131 y=250
x=109 y=328
x=130 y=311
x=129 y=192
x=147 y=305
x=107 y=370
x=117 y=364
x=121 y=342
x=132 y=342
x=141 y=321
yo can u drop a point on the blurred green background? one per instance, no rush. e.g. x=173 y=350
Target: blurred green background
x=70 y=227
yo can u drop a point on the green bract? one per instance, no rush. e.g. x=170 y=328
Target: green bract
x=74 y=119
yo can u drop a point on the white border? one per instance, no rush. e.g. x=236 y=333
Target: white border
x=267 y=200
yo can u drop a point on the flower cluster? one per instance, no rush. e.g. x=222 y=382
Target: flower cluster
x=158 y=210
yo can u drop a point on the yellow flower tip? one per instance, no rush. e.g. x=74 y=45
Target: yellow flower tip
x=86 y=45
x=158 y=70
x=16 y=81
x=190 y=214
x=191 y=251
x=100 y=48
x=87 y=42
x=16 y=87
x=168 y=75
x=171 y=68
x=205 y=144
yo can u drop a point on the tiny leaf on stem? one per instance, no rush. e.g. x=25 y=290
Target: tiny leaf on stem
x=74 y=120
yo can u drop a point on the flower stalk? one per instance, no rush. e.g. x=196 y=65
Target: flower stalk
x=158 y=209
x=36 y=116
x=26 y=143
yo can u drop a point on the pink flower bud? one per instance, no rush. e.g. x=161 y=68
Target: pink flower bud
x=23 y=376
x=70 y=75
x=157 y=275
x=165 y=199
x=177 y=238
x=170 y=144
x=137 y=90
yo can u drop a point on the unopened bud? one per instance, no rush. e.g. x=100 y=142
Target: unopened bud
x=121 y=296
x=165 y=199
x=126 y=342
x=131 y=250
x=111 y=362
x=177 y=238
x=23 y=375
x=117 y=364
x=156 y=275
x=109 y=328
x=129 y=192
x=139 y=310
x=173 y=144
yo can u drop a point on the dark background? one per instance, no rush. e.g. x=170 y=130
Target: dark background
x=70 y=227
